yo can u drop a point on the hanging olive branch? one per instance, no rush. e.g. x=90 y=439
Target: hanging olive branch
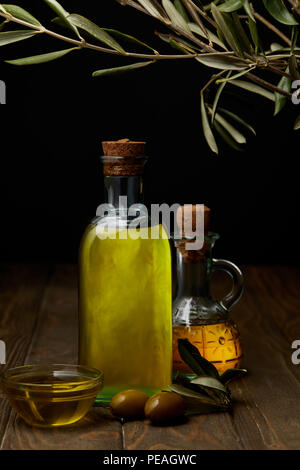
x=224 y=35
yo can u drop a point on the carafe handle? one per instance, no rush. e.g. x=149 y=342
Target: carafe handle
x=238 y=281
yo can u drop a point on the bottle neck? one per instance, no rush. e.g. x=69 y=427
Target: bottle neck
x=193 y=277
x=122 y=190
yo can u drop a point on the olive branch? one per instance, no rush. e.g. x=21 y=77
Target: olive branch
x=225 y=35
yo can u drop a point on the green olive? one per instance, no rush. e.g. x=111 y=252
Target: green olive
x=129 y=404
x=165 y=407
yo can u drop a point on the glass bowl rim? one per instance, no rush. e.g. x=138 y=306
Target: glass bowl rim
x=93 y=381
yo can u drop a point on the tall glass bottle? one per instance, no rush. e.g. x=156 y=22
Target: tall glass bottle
x=125 y=304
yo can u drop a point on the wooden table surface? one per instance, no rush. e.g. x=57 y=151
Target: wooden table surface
x=38 y=322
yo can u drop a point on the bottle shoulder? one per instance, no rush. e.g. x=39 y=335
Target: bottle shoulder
x=114 y=224
x=108 y=229
x=198 y=310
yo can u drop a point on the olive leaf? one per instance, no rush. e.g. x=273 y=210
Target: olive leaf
x=95 y=31
x=293 y=67
x=254 y=34
x=294 y=38
x=213 y=146
x=196 y=17
x=175 y=16
x=21 y=14
x=218 y=394
x=42 y=58
x=198 y=394
x=231 y=5
x=248 y=9
x=60 y=22
x=237 y=119
x=240 y=34
x=63 y=14
x=207 y=392
x=226 y=136
x=224 y=23
x=160 y=9
x=217 y=97
x=278 y=10
x=210 y=382
x=253 y=88
x=297 y=123
x=120 y=70
x=234 y=77
x=211 y=393
x=128 y=38
x=221 y=35
x=177 y=42
x=191 y=356
x=280 y=100
x=234 y=5
x=9 y=37
x=235 y=134
x=180 y=45
x=151 y=8
x=242 y=52
x=284 y=52
x=231 y=374
x=198 y=402
x=211 y=36
x=223 y=62
x=180 y=8
x=275 y=46
x=113 y=32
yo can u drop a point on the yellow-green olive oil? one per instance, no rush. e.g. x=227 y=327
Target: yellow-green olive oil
x=125 y=309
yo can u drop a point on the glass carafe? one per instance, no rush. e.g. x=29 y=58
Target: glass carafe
x=125 y=294
x=204 y=321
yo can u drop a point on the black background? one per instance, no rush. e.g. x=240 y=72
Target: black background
x=57 y=114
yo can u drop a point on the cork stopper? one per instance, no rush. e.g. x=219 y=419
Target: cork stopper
x=123 y=157
x=187 y=218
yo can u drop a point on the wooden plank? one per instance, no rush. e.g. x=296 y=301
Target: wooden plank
x=56 y=341
x=267 y=408
x=21 y=293
x=266 y=413
x=272 y=392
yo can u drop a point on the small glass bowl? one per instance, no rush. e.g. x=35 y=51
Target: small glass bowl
x=48 y=395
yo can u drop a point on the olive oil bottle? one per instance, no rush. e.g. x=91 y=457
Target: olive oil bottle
x=197 y=316
x=125 y=300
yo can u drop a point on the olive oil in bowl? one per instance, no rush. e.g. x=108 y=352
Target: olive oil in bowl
x=51 y=395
